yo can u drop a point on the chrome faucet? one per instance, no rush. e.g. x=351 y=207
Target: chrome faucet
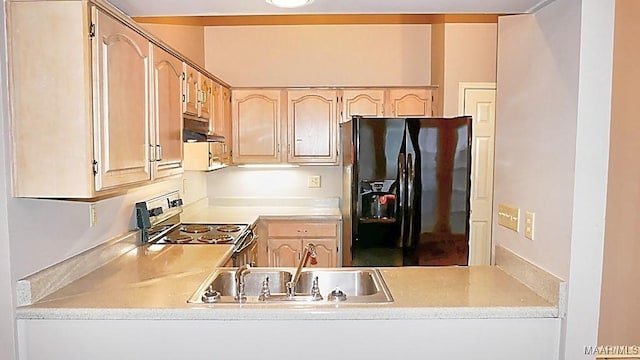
x=309 y=251
x=240 y=272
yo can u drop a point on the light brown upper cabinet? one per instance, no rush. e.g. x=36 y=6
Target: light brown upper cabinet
x=312 y=126
x=256 y=118
x=95 y=129
x=386 y=102
x=300 y=122
x=365 y=102
x=214 y=155
x=167 y=113
x=198 y=100
x=410 y=102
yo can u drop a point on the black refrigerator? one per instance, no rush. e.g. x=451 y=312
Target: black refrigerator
x=406 y=186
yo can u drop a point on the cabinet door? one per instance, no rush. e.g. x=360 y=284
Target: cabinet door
x=214 y=105
x=223 y=122
x=167 y=77
x=410 y=102
x=205 y=98
x=362 y=102
x=283 y=252
x=197 y=156
x=326 y=252
x=191 y=88
x=312 y=123
x=121 y=70
x=256 y=126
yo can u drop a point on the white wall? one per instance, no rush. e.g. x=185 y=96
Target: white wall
x=469 y=56
x=7 y=312
x=188 y=40
x=319 y=55
x=536 y=114
x=270 y=183
x=552 y=137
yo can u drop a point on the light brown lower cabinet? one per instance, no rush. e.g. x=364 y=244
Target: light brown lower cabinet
x=286 y=241
x=288 y=252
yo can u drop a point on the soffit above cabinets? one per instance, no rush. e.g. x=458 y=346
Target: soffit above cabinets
x=260 y=7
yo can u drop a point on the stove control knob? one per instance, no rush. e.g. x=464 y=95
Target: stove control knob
x=155 y=211
x=175 y=203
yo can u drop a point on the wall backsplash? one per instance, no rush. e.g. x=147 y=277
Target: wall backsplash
x=286 y=182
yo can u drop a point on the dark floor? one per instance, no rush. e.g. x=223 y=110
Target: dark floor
x=442 y=253
x=430 y=252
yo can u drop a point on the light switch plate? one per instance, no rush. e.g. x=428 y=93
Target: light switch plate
x=529 y=222
x=313 y=181
x=509 y=217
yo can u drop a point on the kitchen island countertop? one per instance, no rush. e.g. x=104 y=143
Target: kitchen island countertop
x=155 y=281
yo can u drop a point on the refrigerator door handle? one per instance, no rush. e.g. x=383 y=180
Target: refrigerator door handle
x=410 y=200
x=401 y=198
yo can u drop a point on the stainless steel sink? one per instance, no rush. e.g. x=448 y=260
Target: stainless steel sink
x=362 y=285
x=223 y=281
x=358 y=285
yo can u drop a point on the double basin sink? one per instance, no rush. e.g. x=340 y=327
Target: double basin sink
x=330 y=285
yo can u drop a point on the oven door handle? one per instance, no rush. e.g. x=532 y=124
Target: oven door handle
x=248 y=240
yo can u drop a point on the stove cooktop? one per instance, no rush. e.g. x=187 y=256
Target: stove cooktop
x=204 y=234
x=160 y=223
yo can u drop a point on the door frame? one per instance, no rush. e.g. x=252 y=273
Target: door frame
x=475 y=258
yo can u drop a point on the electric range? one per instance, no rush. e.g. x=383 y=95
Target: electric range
x=160 y=223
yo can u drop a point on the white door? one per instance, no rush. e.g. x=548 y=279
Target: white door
x=479 y=101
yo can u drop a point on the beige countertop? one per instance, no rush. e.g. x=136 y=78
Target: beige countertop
x=155 y=281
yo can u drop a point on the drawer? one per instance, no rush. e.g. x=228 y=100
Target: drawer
x=302 y=229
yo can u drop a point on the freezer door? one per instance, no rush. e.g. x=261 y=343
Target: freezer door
x=379 y=149
x=377 y=181
x=379 y=143
x=438 y=186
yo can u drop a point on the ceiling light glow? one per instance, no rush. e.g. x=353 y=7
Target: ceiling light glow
x=289 y=3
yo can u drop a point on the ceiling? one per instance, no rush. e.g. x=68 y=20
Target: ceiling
x=260 y=7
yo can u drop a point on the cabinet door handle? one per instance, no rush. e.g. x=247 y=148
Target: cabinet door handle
x=152 y=153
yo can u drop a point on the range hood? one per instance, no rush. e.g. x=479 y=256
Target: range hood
x=198 y=131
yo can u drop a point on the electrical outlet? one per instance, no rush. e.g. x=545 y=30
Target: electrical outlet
x=185 y=186
x=509 y=217
x=313 y=181
x=93 y=215
x=529 y=219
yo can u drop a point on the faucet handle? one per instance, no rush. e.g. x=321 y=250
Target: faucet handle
x=239 y=275
x=313 y=254
x=265 y=292
x=315 y=290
